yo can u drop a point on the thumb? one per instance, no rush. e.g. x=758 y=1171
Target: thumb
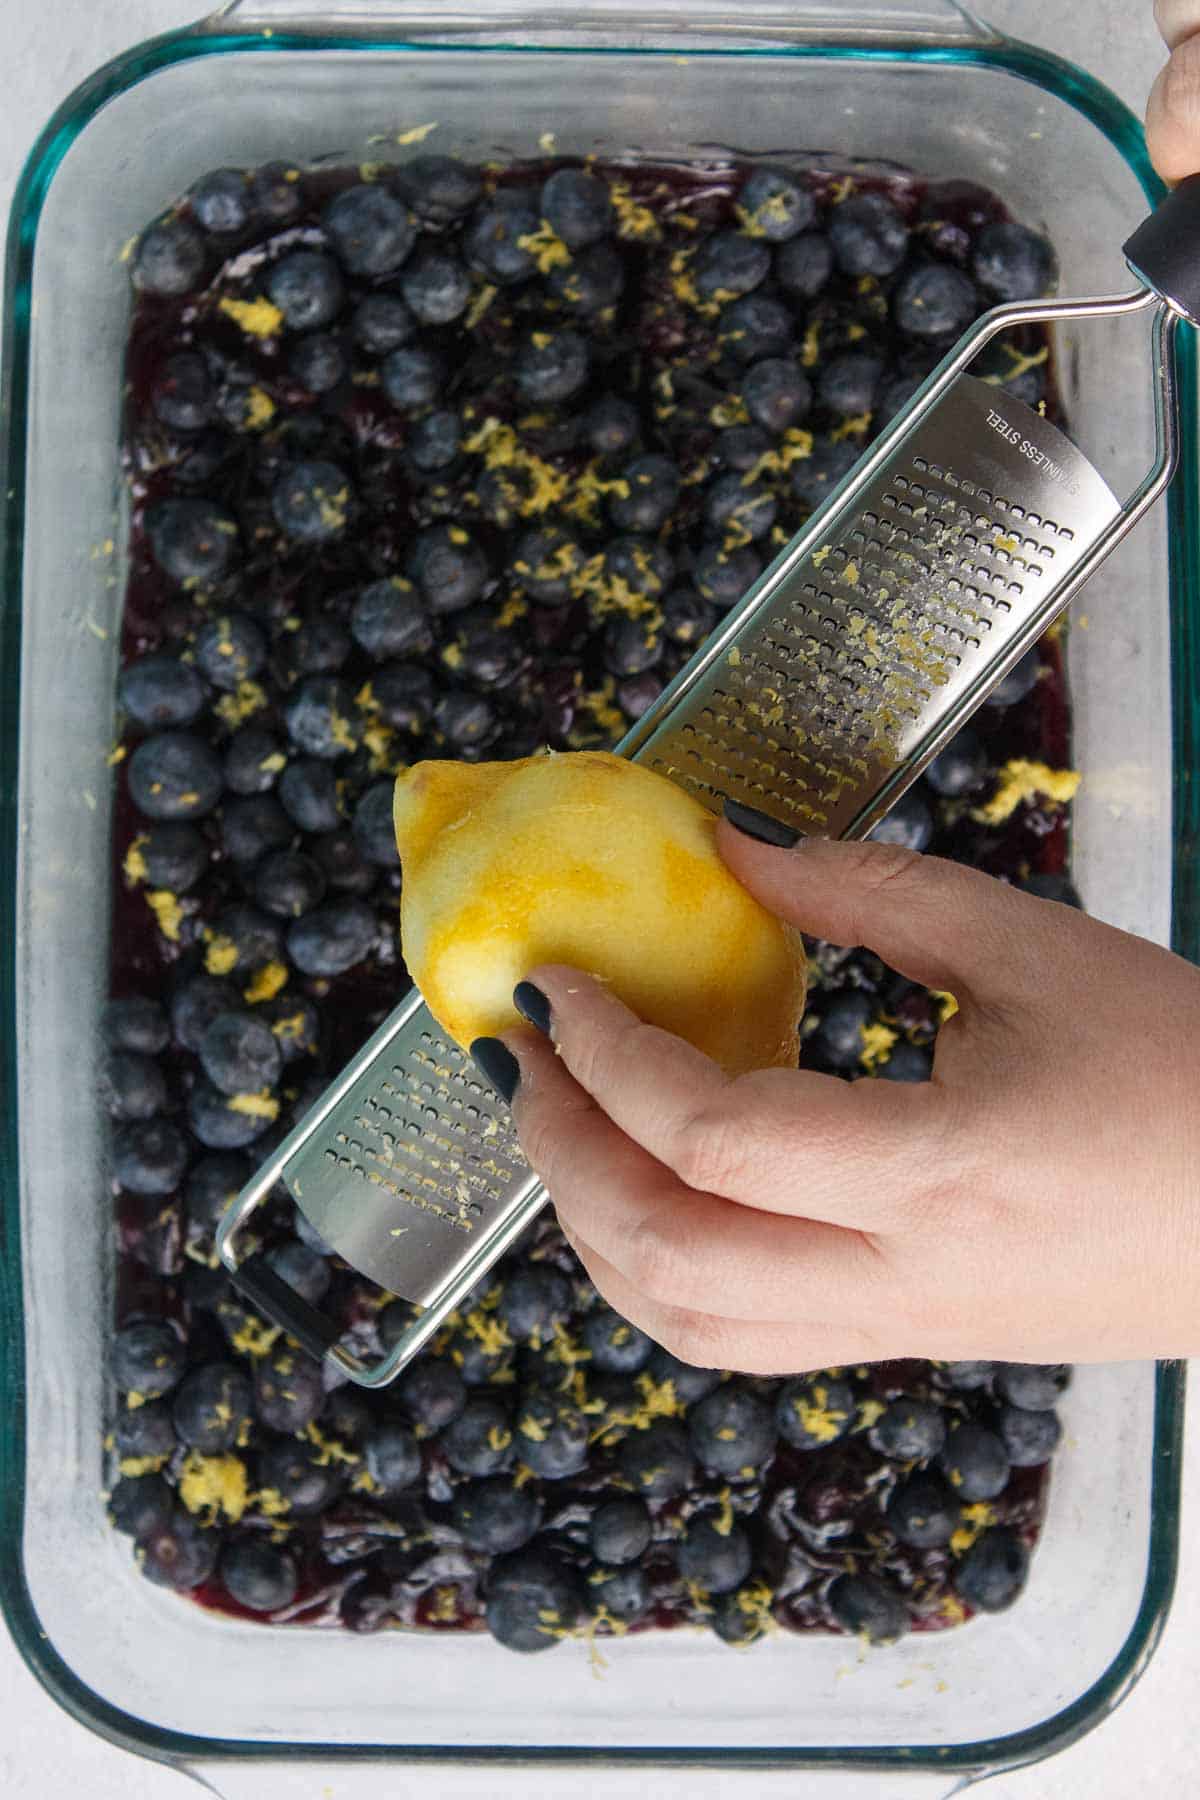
x=934 y=921
x=1173 y=109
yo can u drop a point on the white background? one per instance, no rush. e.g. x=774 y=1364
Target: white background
x=1148 y=1747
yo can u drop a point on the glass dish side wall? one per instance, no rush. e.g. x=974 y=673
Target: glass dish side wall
x=127 y=1642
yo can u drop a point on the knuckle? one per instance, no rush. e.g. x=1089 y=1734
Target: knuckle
x=710 y=1153
x=1180 y=90
x=653 y=1263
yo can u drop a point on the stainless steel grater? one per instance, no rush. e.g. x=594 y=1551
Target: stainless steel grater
x=946 y=553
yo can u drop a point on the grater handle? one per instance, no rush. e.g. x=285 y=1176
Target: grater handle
x=1165 y=249
x=270 y=1294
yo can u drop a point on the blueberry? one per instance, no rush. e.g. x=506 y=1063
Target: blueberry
x=611 y=425
x=312 y=501
x=220 y=202
x=449 y=568
x=239 y=1054
x=620 y=1530
x=370 y=229
x=317 y=362
x=848 y=383
x=838 y=1039
x=333 y=937
x=259 y=1576
x=754 y=326
x=307 y=288
x=637 y=693
x=146 y=1434
x=1019 y=682
x=726 y=576
x=645 y=566
x=436 y=286
x=133 y=1086
x=148 y=1358
x=213 y=1184
x=923 y=1511
x=815 y=476
x=716 y=1560
x=492 y=240
x=624 y=1593
x=405 y=695
x=657 y=1463
x=252 y=825
x=544 y=563
x=689 y=1382
x=434 y=441
x=382 y=323
x=253 y=760
x=230 y=650
x=321 y=718
x=1035 y=1386
x=868 y=235
x=341 y=862
x=804 y=264
x=910 y=1430
x=909 y=823
x=195 y=1004
x=173 y=854
x=894 y=394
x=182 y=1554
x=149 y=1157
x=1030 y=1438
x=439 y=189
x=993 y=1572
x=466 y=721
x=492 y=1516
x=550 y=367
x=192 y=541
x=480 y=1440
x=577 y=207
x=1013 y=263
x=291 y=1469
x=968 y=1377
x=347 y=1414
x=412 y=378
x=552 y=1436
x=170 y=258
x=288 y=884
x=814 y=1410
x=221 y=1121
x=730 y=264
x=136 y=1024
x=591 y=282
x=478 y=1363
x=432 y=1393
x=536 y=1298
x=1052 y=887
x=373 y=830
x=686 y=618
x=213 y=1408
x=906 y=1062
x=934 y=301
x=289 y=1390
x=737 y=1618
x=182 y=395
x=630 y=645
x=960 y=768
x=742 y=447
x=308 y=794
x=296 y=1024
x=732 y=1430
x=773 y=205
x=319 y=647
x=863 y=1605
x=255 y=939
x=276 y=192
x=741 y=511
x=652 y=484
x=532 y=1601
x=777 y=393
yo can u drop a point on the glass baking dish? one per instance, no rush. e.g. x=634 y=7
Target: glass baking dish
x=920 y=84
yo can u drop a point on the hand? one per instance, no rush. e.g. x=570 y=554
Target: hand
x=1173 y=110
x=1036 y=1201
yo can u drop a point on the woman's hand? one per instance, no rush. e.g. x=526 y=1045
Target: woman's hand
x=1173 y=110
x=1038 y=1200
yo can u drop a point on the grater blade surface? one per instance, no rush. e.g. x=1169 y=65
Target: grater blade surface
x=855 y=657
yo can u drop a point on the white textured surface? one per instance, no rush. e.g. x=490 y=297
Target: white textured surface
x=1148 y=1747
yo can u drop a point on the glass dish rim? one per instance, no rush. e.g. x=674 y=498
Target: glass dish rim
x=1117 y=123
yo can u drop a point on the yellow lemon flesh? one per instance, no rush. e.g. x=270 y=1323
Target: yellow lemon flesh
x=588 y=859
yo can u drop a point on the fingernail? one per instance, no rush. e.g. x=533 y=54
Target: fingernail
x=498 y=1065
x=533 y=1006
x=760 y=825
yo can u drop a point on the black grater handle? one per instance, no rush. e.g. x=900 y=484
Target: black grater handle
x=1165 y=249
x=271 y=1295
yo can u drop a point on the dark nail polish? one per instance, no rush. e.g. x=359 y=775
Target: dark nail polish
x=533 y=1006
x=760 y=825
x=498 y=1065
